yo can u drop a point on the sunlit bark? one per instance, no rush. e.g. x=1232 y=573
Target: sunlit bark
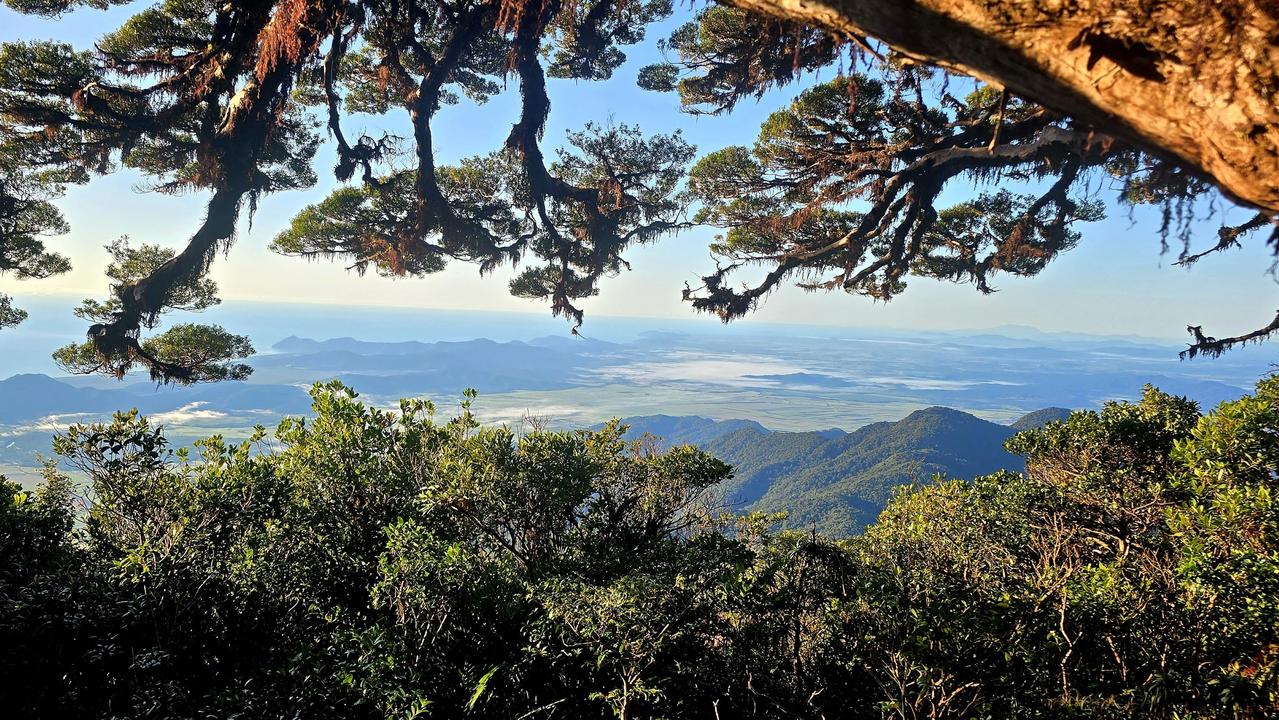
x=1194 y=80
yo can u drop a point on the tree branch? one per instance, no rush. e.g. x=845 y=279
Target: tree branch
x=1194 y=95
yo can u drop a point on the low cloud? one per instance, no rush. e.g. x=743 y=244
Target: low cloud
x=48 y=423
x=188 y=413
x=515 y=415
x=703 y=368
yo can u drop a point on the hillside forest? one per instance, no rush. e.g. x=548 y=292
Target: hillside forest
x=368 y=563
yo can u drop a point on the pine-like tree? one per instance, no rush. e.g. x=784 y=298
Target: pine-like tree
x=840 y=191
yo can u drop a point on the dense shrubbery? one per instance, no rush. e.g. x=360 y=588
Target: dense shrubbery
x=374 y=564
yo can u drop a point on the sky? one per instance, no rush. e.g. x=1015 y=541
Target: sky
x=1116 y=282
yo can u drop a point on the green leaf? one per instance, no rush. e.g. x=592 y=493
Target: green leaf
x=481 y=687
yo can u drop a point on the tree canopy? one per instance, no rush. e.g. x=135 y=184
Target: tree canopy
x=841 y=190
x=364 y=563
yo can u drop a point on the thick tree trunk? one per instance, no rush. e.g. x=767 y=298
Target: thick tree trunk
x=1194 y=80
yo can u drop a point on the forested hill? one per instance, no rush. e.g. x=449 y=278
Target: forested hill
x=838 y=481
x=1039 y=418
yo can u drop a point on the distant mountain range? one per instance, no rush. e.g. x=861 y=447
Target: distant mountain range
x=833 y=480
x=864 y=381
x=387 y=371
x=839 y=481
x=25 y=398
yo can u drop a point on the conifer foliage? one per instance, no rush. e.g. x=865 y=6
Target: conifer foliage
x=230 y=99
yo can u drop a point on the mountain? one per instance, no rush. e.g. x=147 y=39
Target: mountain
x=29 y=396
x=1039 y=418
x=26 y=398
x=675 y=430
x=839 y=481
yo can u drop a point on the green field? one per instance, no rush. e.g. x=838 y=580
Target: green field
x=577 y=407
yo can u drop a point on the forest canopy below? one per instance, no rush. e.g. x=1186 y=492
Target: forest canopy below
x=1170 y=104
x=373 y=564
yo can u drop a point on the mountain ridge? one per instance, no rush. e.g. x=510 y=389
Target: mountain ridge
x=836 y=481
x=28 y=397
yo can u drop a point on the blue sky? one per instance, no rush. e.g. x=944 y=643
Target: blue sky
x=1116 y=282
